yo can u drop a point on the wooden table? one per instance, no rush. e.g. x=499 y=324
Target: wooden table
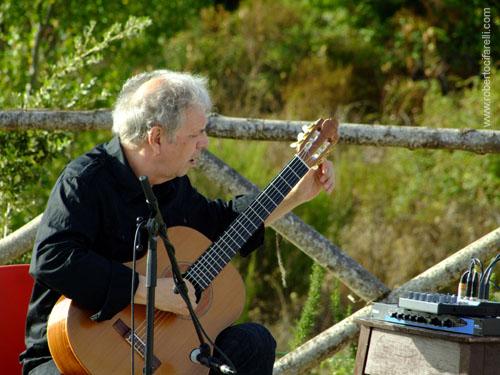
x=385 y=348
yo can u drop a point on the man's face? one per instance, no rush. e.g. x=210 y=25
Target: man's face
x=180 y=154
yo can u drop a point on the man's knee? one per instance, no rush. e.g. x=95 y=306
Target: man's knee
x=248 y=335
x=250 y=347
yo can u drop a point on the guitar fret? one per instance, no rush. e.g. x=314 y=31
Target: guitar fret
x=262 y=219
x=207 y=266
x=240 y=236
x=286 y=182
x=253 y=221
x=215 y=255
x=208 y=274
x=211 y=265
x=194 y=273
x=264 y=194
x=263 y=206
x=218 y=253
x=295 y=173
x=246 y=230
x=225 y=235
x=209 y=257
x=276 y=189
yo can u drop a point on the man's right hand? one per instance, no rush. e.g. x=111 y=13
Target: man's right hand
x=165 y=298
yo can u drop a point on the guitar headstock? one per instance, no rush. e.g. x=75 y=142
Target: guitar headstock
x=317 y=140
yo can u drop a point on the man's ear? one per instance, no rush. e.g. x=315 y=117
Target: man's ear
x=155 y=139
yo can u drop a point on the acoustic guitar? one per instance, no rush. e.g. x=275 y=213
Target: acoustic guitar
x=81 y=346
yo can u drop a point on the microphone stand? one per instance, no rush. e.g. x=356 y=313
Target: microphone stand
x=156 y=227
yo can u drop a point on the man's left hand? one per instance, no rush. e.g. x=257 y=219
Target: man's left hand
x=318 y=178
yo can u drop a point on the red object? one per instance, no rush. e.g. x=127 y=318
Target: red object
x=15 y=293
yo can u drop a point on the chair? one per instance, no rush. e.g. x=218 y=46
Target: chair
x=15 y=293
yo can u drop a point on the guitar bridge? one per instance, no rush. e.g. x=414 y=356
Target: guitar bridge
x=139 y=344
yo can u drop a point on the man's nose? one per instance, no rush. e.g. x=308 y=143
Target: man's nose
x=203 y=143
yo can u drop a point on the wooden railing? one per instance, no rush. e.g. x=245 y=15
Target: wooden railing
x=312 y=243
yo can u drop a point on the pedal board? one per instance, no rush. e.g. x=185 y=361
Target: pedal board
x=469 y=325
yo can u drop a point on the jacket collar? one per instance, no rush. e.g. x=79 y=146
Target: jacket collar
x=125 y=176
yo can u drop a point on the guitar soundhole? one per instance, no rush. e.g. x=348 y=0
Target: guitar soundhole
x=206 y=296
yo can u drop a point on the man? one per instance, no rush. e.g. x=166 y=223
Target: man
x=87 y=230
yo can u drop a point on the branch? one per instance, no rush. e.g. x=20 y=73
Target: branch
x=412 y=137
x=33 y=70
x=19 y=242
x=478 y=141
x=55 y=120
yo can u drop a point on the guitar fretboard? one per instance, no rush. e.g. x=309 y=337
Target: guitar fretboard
x=219 y=254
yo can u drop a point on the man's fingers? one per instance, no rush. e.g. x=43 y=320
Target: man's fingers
x=328 y=177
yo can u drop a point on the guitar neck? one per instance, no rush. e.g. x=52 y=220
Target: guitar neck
x=219 y=254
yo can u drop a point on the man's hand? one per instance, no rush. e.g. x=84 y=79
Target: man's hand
x=165 y=298
x=318 y=178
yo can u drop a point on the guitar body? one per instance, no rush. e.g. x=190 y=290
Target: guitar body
x=81 y=346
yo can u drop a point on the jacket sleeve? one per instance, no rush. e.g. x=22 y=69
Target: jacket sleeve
x=63 y=256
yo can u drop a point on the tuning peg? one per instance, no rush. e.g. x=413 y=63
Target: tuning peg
x=323 y=148
x=307 y=128
x=314 y=136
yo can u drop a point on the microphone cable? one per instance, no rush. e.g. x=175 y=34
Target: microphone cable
x=137 y=247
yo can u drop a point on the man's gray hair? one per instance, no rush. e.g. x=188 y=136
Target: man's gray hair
x=164 y=106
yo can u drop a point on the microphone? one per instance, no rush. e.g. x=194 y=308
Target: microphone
x=198 y=356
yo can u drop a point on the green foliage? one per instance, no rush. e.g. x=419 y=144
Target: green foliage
x=339 y=311
x=311 y=309
x=61 y=21
x=429 y=203
x=23 y=161
x=58 y=90
x=251 y=290
x=342 y=363
x=494 y=291
x=273 y=57
x=31 y=160
x=421 y=38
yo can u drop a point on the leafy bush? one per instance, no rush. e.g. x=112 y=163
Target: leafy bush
x=31 y=160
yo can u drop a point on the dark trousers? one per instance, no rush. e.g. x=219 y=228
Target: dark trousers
x=249 y=346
